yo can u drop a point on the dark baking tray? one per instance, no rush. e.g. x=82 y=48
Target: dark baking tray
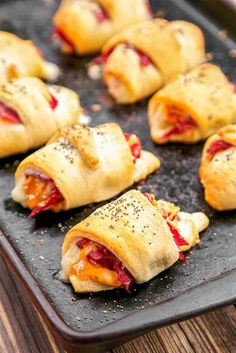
x=97 y=322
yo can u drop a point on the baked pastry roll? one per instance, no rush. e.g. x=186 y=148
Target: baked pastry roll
x=84 y=26
x=128 y=240
x=141 y=59
x=31 y=112
x=81 y=165
x=218 y=169
x=21 y=58
x=192 y=107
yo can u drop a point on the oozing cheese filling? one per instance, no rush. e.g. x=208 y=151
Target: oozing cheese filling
x=41 y=194
x=185 y=227
x=135 y=145
x=9 y=115
x=178 y=121
x=217 y=147
x=96 y=66
x=96 y=263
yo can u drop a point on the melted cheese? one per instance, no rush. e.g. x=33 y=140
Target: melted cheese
x=190 y=225
x=86 y=271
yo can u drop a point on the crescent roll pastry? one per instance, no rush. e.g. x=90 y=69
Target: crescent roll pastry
x=131 y=239
x=218 y=169
x=21 y=58
x=31 y=112
x=81 y=165
x=84 y=26
x=192 y=107
x=141 y=59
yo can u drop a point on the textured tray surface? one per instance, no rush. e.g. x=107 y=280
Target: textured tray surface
x=39 y=241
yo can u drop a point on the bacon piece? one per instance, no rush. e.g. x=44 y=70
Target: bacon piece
x=181 y=127
x=100 y=255
x=217 y=147
x=134 y=144
x=53 y=102
x=9 y=114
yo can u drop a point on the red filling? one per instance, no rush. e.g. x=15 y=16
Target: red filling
x=9 y=114
x=54 y=195
x=135 y=147
x=216 y=147
x=234 y=88
x=181 y=127
x=143 y=58
x=178 y=239
x=102 y=256
x=53 y=102
x=101 y=15
x=149 y=9
x=57 y=33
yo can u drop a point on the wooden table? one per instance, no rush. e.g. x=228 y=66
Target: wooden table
x=22 y=330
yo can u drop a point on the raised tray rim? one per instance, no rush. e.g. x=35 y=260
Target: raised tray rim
x=147 y=321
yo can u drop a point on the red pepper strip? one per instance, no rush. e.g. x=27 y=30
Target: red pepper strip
x=135 y=148
x=57 y=33
x=53 y=102
x=102 y=256
x=102 y=14
x=9 y=114
x=181 y=126
x=54 y=197
x=216 y=147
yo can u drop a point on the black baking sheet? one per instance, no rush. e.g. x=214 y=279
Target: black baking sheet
x=38 y=242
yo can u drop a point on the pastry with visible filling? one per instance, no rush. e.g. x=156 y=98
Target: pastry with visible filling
x=141 y=59
x=84 y=26
x=31 y=112
x=131 y=239
x=218 y=169
x=21 y=58
x=192 y=107
x=81 y=165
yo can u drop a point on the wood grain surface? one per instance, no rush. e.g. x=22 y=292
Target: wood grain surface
x=22 y=330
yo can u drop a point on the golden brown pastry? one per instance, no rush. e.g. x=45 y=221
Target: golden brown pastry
x=81 y=165
x=141 y=59
x=192 y=107
x=131 y=239
x=218 y=169
x=21 y=58
x=84 y=26
x=31 y=112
